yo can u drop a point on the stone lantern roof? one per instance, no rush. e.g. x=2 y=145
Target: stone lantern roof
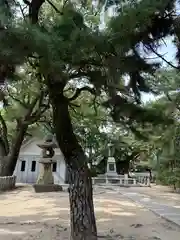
x=48 y=142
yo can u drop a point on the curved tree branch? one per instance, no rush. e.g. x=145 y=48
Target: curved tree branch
x=34 y=7
x=22 y=103
x=41 y=108
x=160 y=56
x=54 y=7
x=26 y=2
x=79 y=90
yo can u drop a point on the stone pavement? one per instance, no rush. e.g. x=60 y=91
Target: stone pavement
x=168 y=212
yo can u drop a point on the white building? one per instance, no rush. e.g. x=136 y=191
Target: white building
x=27 y=167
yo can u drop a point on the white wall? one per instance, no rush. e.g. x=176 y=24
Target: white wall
x=31 y=148
x=31 y=152
x=27 y=176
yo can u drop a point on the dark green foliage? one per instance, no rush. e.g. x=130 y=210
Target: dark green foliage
x=68 y=49
x=124 y=109
x=105 y=58
x=142 y=168
x=167 y=153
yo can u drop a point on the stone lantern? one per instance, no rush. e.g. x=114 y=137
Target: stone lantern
x=45 y=181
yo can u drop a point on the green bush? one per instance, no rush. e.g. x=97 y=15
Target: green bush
x=169 y=177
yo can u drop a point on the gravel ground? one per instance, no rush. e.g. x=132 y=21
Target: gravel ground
x=26 y=215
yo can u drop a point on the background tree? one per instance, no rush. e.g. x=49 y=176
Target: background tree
x=95 y=129
x=27 y=102
x=164 y=142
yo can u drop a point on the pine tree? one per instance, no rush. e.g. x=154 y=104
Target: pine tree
x=66 y=48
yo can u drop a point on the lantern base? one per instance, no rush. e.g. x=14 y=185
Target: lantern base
x=39 y=188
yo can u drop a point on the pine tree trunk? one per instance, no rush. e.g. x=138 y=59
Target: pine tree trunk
x=83 y=224
x=2 y=157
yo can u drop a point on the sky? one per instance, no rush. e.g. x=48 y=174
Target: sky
x=168 y=51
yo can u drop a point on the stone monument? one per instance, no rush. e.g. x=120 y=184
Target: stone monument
x=111 y=163
x=45 y=181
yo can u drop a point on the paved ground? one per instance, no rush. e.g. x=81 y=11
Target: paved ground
x=25 y=215
x=157 y=199
x=162 y=194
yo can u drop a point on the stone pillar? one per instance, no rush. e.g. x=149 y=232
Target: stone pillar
x=111 y=164
x=45 y=173
x=148 y=182
x=126 y=179
x=134 y=181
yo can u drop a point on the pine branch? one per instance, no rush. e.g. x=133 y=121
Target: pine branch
x=26 y=2
x=79 y=90
x=22 y=9
x=160 y=56
x=78 y=74
x=54 y=7
x=28 y=134
x=138 y=134
x=27 y=119
x=35 y=117
x=41 y=109
x=47 y=124
x=123 y=108
x=34 y=7
x=168 y=97
x=22 y=103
